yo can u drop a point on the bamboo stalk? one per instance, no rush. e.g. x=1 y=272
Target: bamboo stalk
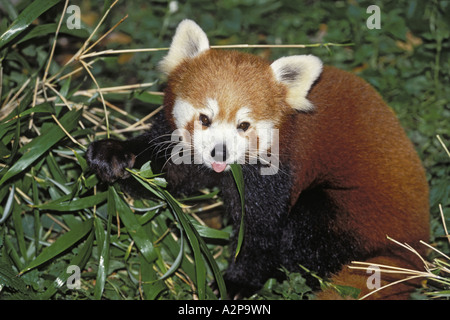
x=428 y=273
x=67 y=133
x=106 y=34
x=47 y=68
x=124 y=88
x=232 y=46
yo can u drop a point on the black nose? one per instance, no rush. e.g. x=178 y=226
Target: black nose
x=219 y=153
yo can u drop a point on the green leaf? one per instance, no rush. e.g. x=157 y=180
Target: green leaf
x=8 y=206
x=198 y=246
x=81 y=161
x=25 y=18
x=178 y=259
x=18 y=227
x=202 y=197
x=347 y=291
x=194 y=240
x=139 y=235
x=103 y=240
x=236 y=169
x=9 y=279
x=79 y=260
x=146 y=170
x=10 y=250
x=147 y=183
x=38 y=146
x=56 y=172
x=46 y=29
x=147 y=97
x=207 y=232
x=62 y=94
x=63 y=243
x=37 y=218
x=151 y=285
x=63 y=204
x=45 y=107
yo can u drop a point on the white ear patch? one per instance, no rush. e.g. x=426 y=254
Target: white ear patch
x=189 y=41
x=298 y=73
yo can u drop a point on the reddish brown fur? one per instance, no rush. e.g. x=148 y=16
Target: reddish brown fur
x=354 y=142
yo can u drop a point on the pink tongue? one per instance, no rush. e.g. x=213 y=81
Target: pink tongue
x=219 y=166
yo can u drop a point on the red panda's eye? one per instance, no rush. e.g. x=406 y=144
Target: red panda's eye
x=204 y=120
x=244 y=126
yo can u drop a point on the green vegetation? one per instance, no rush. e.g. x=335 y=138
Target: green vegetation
x=59 y=90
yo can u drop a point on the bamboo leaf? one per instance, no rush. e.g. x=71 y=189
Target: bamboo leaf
x=38 y=146
x=45 y=107
x=148 y=97
x=236 y=169
x=64 y=204
x=194 y=238
x=79 y=260
x=25 y=18
x=47 y=29
x=8 y=206
x=62 y=94
x=37 y=220
x=9 y=278
x=10 y=250
x=81 y=161
x=18 y=227
x=207 y=232
x=56 y=171
x=151 y=285
x=103 y=241
x=63 y=243
x=198 y=246
x=139 y=235
x=202 y=197
x=196 y=242
x=179 y=257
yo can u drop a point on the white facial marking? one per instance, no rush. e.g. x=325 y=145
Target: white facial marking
x=183 y=112
x=244 y=114
x=213 y=106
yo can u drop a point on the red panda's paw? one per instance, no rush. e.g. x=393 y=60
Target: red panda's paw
x=109 y=159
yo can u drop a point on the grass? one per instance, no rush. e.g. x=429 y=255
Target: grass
x=60 y=90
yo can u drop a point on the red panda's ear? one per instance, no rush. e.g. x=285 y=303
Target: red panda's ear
x=189 y=41
x=298 y=73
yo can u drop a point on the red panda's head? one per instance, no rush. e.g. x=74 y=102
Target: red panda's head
x=228 y=104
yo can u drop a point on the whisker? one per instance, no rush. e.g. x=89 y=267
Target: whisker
x=157 y=145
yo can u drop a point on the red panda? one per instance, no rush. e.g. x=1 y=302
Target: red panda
x=343 y=173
